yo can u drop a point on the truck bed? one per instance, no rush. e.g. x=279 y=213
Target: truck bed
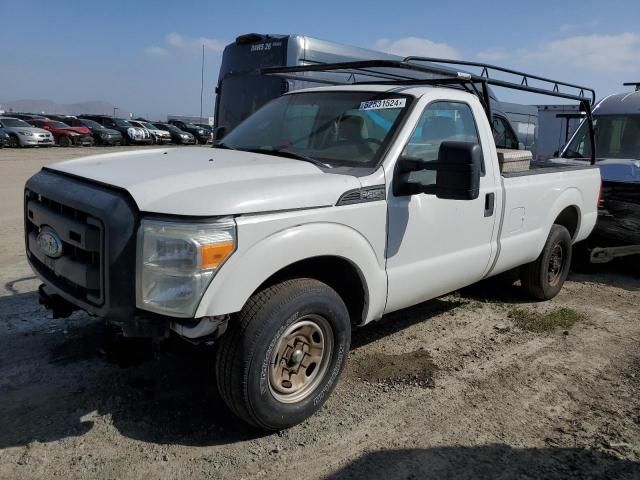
x=542 y=167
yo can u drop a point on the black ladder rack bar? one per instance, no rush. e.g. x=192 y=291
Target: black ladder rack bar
x=524 y=77
x=632 y=84
x=450 y=76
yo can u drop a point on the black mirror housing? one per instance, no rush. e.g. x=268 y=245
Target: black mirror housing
x=458 y=170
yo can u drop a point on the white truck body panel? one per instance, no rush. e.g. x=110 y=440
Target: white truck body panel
x=406 y=249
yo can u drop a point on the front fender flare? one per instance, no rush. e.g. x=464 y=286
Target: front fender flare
x=249 y=268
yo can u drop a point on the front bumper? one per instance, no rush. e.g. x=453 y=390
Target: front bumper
x=34 y=141
x=96 y=226
x=141 y=141
x=111 y=140
x=83 y=140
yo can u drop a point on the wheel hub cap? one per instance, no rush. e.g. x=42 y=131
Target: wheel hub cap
x=300 y=359
x=556 y=261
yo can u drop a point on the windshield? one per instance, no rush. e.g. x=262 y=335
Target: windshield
x=14 y=122
x=91 y=124
x=617 y=136
x=148 y=126
x=122 y=123
x=350 y=128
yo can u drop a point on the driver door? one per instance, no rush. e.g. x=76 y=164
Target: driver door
x=435 y=246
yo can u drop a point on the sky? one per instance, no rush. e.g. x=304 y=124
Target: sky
x=145 y=56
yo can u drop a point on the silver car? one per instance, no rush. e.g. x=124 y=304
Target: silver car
x=21 y=134
x=160 y=137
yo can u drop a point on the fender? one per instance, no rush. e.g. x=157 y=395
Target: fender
x=571 y=197
x=247 y=269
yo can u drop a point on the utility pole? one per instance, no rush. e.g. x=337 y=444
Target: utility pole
x=114 y=111
x=201 y=82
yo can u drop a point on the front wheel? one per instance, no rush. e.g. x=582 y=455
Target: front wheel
x=543 y=278
x=283 y=353
x=14 y=142
x=64 y=141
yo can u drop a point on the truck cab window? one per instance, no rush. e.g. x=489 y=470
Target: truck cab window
x=503 y=134
x=440 y=122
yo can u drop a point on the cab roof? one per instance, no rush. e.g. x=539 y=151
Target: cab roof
x=619 y=104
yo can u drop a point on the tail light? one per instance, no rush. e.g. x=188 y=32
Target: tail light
x=600 y=199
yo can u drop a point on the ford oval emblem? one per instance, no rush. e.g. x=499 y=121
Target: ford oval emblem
x=49 y=242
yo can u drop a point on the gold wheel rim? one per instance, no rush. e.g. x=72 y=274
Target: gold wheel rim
x=300 y=360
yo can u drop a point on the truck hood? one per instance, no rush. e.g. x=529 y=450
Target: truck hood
x=617 y=170
x=212 y=182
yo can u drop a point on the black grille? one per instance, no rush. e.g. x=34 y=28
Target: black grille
x=79 y=271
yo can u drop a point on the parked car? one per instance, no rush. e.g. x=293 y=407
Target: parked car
x=202 y=135
x=322 y=211
x=21 y=134
x=177 y=136
x=130 y=134
x=26 y=116
x=208 y=130
x=617 y=132
x=160 y=137
x=63 y=134
x=101 y=135
x=4 y=138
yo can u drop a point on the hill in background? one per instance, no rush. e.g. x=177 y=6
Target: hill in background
x=49 y=106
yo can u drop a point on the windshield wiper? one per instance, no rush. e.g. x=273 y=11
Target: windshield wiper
x=283 y=152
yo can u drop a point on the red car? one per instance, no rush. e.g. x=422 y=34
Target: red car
x=63 y=134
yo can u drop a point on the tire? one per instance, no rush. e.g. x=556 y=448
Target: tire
x=544 y=277
x=14 y=141
x=65 y=141
x=256 y=387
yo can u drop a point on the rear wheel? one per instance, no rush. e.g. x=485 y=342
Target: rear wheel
x=283 y=353
x=544 y=277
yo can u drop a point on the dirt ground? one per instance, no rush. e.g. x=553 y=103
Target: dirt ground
x=452 y=388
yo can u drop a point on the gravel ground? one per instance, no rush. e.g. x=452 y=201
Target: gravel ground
x=452 y=388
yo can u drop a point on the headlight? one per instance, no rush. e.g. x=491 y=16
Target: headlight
x=26 y=134
x=201 y=132
x=176 y=262
x=184 y=135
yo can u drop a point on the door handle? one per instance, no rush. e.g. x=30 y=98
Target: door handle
x=489 y=202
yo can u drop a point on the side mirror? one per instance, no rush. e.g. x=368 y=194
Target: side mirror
x=219 y=133
x=521 y=146
x=556 y=154
x=457 y=173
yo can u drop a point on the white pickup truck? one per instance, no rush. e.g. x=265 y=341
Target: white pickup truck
x=325 y=210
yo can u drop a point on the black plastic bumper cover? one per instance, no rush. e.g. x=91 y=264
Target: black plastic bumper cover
x=118 y=214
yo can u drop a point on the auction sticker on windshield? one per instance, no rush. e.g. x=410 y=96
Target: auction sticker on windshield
x=381 y=104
